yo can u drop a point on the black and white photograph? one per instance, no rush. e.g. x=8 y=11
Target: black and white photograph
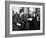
x=25 y=18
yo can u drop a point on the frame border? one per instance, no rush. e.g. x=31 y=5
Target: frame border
x=7 y=16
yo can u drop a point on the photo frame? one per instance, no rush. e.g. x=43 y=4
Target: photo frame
x=31 y=24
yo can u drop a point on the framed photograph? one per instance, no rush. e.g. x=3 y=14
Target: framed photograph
x=24 y=18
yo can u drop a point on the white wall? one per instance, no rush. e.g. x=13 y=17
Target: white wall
x=2 y=19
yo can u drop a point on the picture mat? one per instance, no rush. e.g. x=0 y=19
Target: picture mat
x=30 y=31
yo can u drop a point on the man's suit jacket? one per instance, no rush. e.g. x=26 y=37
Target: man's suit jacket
x=16 y=19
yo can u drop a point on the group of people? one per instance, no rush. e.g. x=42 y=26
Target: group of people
x=25 y=21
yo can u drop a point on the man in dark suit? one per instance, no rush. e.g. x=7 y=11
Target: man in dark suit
x=16 y=22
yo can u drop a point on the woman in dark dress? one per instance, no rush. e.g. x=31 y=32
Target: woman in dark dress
x=36 y=24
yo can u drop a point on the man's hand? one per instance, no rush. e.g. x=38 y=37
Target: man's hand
x=18 y=24
x=30 y=19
